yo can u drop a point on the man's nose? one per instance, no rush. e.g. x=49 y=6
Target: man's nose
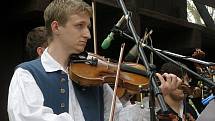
x=87 y=33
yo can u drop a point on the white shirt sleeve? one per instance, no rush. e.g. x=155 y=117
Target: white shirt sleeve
x=128 y=113
x=25 y=100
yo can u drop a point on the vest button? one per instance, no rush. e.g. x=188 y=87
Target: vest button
x=62 y=105
x=83 y=89
x=62 y=80
x=62 y=90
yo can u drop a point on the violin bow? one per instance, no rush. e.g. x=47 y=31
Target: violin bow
x=94 y=26
x=116 y=84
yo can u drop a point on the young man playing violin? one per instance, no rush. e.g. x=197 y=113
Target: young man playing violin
x=41 y=90
x=176 y=100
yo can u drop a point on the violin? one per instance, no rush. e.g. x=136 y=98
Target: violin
x=93 y=70
x=88 y=69
x=190 y=90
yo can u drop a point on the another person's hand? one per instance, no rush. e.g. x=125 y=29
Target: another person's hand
x=169 y=82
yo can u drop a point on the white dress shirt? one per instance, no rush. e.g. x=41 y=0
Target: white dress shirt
x=25 y=99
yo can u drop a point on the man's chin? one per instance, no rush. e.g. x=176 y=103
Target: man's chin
x=178 y=96
x=78 y=51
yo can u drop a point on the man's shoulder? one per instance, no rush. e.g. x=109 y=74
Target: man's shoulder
x=29 y=64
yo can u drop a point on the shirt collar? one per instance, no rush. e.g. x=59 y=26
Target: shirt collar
x=49 y=63
x=181 y=112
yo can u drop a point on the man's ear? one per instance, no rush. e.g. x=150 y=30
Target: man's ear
x=40 y=50
x=55 y=27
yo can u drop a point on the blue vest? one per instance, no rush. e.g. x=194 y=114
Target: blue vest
x=55 y=89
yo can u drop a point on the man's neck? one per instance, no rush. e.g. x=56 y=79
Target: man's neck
x=173 y=104
x=59 y=55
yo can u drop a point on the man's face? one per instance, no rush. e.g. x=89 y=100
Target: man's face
x=178 y=94
x=75 y=33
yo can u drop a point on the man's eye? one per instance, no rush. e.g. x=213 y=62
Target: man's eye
x=79 y=25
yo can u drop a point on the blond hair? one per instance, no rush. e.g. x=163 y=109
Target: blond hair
x=60 y=10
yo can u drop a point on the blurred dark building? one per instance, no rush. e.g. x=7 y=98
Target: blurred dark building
x=174 y=8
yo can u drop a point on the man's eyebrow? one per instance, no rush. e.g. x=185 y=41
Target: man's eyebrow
x=83 y=22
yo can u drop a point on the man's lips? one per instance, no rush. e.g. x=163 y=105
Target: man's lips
x=83 y=43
